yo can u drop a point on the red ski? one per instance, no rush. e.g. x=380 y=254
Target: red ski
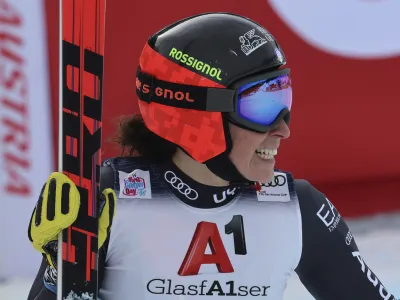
x=82 y=24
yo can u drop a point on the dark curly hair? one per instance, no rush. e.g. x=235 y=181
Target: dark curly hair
x=135 y=139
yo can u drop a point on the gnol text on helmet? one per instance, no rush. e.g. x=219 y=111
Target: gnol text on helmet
x=195 y=63
x=165 y=93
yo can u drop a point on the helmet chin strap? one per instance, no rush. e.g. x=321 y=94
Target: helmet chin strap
x=222 y=165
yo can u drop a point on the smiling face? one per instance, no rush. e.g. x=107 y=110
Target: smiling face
x=253 y=153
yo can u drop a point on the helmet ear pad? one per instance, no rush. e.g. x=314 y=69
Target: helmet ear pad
x=221 y=165
x=200 y=134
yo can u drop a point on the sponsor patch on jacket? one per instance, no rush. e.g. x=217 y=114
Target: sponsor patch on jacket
x=276 y=191
x=135 y=184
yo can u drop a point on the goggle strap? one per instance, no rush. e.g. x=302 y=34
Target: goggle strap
x=150 y=89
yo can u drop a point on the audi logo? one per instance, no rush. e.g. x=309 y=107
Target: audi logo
x=279 y=180
x=180 y=186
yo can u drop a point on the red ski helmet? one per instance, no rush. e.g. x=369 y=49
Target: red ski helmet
x=200 y=73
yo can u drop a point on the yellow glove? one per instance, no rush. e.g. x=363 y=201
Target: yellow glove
x=57 y=208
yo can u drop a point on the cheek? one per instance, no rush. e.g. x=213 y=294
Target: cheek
x=243 y=152
x=244 y=145
x=247 y=140
x=243 y=148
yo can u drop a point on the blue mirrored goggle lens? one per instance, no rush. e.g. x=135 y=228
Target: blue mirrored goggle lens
x=262 y=101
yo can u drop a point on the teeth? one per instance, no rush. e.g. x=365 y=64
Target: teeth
x=266 y=153
x=265 y=156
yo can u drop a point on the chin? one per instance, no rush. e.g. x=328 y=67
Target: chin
x=264 y=177
x=267 y=177
x=256 y=170
x=263 y=174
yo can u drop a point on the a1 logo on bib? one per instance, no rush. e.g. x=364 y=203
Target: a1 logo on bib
x=135 y=184
x=276 y=191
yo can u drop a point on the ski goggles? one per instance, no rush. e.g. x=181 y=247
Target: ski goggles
x=257 y=103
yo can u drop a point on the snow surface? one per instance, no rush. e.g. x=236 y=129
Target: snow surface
x=378 y=239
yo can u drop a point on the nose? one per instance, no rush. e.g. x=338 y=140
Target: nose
x=282 y=131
